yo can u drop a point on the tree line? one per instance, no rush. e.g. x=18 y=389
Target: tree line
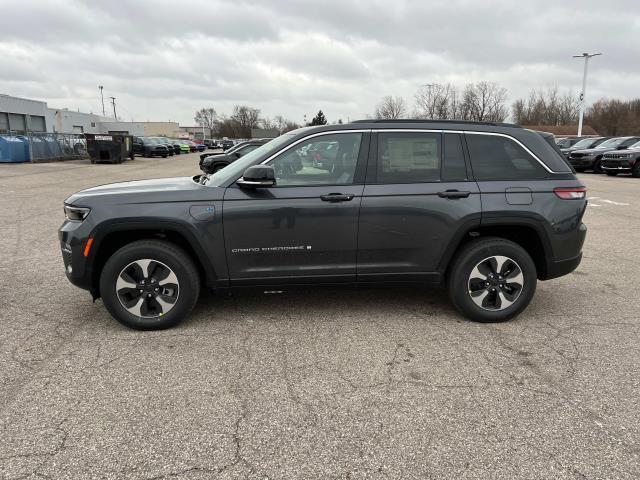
x=487 y=101
x=243 y=118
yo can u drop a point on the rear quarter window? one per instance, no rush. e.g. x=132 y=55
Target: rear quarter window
x=494 y=157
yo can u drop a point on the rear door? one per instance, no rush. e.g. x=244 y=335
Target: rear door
x=417 y=202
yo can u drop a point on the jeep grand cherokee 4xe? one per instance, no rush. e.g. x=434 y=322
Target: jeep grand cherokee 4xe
x=485 y=209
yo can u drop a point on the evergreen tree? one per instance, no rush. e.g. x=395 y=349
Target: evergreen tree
x=319 y=119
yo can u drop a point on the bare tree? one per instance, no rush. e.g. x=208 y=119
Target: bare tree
x=546 y=107
x=484 y=102
x=207 y=117
x=436 y=101
x=246 y=119
x=390 y=108
x=615 y=117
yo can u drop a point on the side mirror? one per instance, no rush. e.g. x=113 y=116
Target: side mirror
x=258 y=176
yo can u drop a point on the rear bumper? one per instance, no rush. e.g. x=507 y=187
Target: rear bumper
x=558 y=268
x=562 y=267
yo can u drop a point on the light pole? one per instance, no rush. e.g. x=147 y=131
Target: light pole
x=586 y=57
x=102 y=99
x=113 y=102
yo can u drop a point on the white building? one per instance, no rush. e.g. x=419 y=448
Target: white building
x=68 y=121
x=20 y=115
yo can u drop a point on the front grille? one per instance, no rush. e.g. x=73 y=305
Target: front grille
x=615 y=163
x=615 y=155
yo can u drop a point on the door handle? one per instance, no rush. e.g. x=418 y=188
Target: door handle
x=337 y=197
x=453 y=194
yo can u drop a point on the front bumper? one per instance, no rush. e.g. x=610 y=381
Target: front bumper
x=581 y=162
x=73 y=237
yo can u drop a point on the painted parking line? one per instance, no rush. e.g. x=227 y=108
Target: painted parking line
x=604 y=200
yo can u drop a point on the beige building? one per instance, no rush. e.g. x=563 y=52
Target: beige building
x=142 y=129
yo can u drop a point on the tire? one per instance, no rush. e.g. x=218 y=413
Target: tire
x=478 y=253
x=131 y=308
x=636 y=170
x=611 y=174
x=597 y=168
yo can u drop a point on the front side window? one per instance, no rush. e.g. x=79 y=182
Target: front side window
x=322 y=160
x=494 y=157
x=408 y=157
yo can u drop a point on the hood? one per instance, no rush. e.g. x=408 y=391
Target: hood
x=593 y=150
x=140 y=191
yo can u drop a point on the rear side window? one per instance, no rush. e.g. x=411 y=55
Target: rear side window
x=494 y=157
x=408 y=157
x=454 y=168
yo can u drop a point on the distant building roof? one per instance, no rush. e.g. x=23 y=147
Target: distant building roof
x=559 y=130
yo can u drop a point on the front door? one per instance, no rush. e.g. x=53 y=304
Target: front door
x=304 y=229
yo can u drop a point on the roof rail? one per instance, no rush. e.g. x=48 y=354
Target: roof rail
x=414 y=120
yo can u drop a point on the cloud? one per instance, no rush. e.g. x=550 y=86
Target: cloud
x=165 y=59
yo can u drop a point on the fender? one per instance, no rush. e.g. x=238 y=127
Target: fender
x=182 y=228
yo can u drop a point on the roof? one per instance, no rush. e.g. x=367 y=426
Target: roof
x=559 y=130
x=417 y=120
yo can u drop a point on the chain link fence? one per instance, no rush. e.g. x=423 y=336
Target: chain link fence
x=45 y=147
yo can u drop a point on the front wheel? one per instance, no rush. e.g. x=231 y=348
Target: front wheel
x=636 y=170
x=492 y=280
x=597 y=166
x=149 y=285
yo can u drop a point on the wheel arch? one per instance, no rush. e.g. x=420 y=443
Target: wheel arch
x=111 y=237
x=527 y=233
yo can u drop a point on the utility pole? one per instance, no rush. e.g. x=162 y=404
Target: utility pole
x=586 y=57
x=113 y=102
x=102 y=99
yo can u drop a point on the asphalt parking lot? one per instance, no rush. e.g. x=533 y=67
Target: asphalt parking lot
x=315 y=384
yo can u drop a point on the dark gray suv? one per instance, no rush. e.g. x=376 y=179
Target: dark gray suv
x=485 y=209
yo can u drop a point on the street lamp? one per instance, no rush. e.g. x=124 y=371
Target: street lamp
x=586 y=57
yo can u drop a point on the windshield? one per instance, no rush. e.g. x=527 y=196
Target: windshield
x=238 y=167
x=635 y=145
x=586 y=143
x=613 y=142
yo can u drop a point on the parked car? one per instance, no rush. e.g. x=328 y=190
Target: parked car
x=585 y=143
x=148 y=147
x=486 y=209
x=566 y=142
x=200 y=147
x=226 y=144
x=590 y=159
x=165 y=141
x=238 y=150
x=627 y=161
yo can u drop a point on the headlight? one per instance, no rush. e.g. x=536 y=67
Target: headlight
x=76 y=214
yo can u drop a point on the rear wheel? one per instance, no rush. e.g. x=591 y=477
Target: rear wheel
x=149 y=285
x=492 y=280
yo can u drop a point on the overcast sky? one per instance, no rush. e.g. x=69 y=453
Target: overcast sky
x=163 y=60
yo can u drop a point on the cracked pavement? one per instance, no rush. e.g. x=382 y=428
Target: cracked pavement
x=372 y=383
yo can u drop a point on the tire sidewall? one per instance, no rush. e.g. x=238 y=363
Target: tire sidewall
x=188 y=285
x=458 y=282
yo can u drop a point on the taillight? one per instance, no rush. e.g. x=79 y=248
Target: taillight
x=572 y=193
